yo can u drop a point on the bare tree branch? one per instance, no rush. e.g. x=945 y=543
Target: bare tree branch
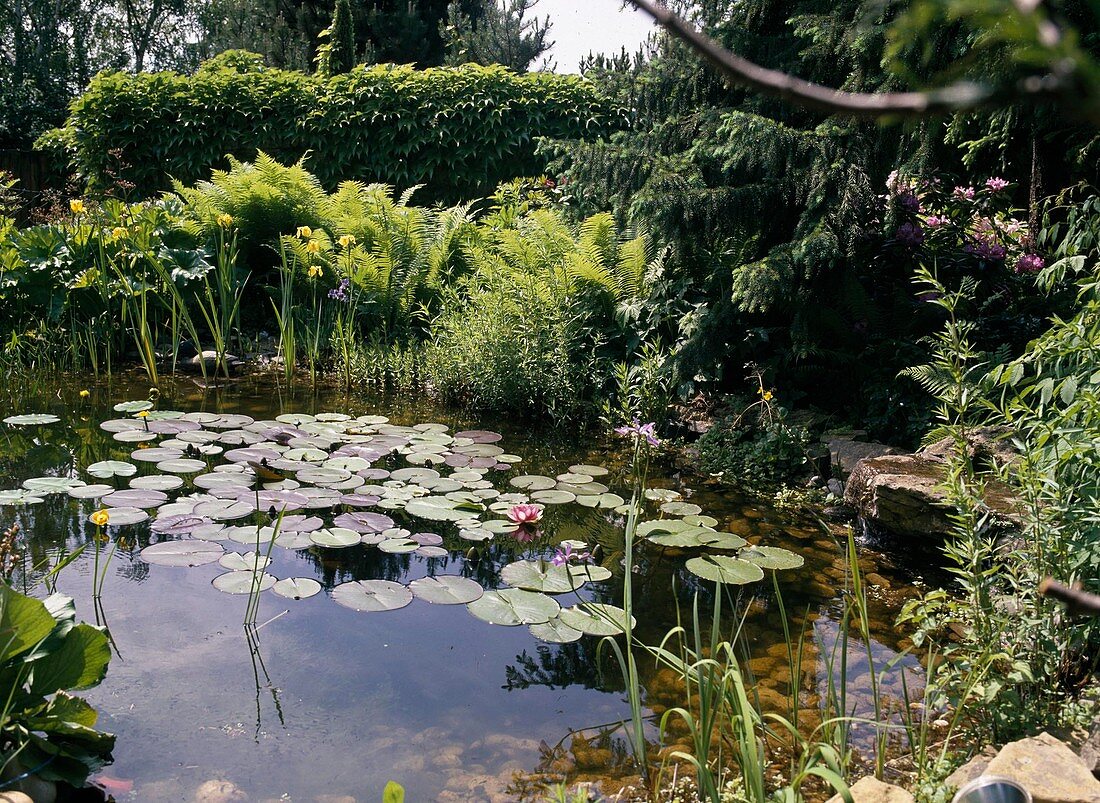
x=955 y=97
x=1076 y=600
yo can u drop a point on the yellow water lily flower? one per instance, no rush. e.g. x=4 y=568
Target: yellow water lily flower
x=118 y=232
x=305 y=231
x=347 y=240
x=225 y=220
x=85 y=394
x=100 y=517
x=313 y=246
x=77 y=206
x=142 y=414
x=315 y=271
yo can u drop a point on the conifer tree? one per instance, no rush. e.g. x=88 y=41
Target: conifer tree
x=342 y=58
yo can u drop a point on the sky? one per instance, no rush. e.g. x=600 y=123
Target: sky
x=600 y=26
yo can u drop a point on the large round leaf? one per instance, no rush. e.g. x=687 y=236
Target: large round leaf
x=772 y=557
x=540 y=575
x=296 y=587
x=31 y=420
x=51 y=485
x=182 y=553
x=555 y=631
x=723 y=569
x=335 y=537
x=446 y=590
x=514 y=606
x=243 y=582
x=596 y=619
x=19 y=496
x=372 y=595
x=243 y=561
x=105 y=469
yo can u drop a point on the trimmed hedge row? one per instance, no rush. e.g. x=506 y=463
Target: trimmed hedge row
x=459 y=130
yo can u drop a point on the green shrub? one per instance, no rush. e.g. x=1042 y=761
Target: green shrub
x=755 y=457
x=458 y=131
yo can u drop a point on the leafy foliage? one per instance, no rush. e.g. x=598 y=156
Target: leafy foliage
x=45 y=653
x=534 y=325
x=458 y=131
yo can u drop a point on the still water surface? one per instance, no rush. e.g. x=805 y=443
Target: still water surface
x=329 y=701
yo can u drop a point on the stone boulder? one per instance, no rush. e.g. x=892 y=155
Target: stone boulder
x=1090 y=751
x=845 y=453
x=988 y=447
x=872 y=790
x=1048 y=769
x=901 y=494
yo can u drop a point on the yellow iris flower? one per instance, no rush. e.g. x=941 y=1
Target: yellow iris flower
x=347 y=240
x=225 y=220
x=305 y=231
x=315 y=271
x=76 y=206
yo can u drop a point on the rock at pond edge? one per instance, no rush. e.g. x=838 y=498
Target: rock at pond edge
x=872 y=790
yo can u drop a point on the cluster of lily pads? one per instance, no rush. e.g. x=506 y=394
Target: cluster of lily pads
x=334 y=481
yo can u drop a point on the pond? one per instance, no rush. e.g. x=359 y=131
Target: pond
x=321 y=699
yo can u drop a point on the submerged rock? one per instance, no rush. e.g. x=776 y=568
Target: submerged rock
x=217 y=790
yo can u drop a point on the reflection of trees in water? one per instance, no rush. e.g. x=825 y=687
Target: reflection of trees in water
x=560 y=665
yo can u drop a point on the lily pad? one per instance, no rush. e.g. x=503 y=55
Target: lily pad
x=540 y=575
x=724 y=569
x=135 y=497
x=136 y=406
x=398 y=546
x=555 y=631
x=591 y=471
x=772 y=557
x=120 y=516
x=182 y=553
x=372 y=595
x=90 y=491
x=243 y=561
x=681 y=509
x=596 y=619
x=447 y=590
x=296 y=587
x=182 y=465
x=157 y=482
x=19 y=496
x=180 y=524
x=31 y=419
x=243 y=582
x=51 y=485
x=105 y=469
x=514 y=606
x=335 y=537
x=553 y=497
x=533 y=482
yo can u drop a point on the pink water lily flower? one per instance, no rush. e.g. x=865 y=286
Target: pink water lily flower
x=525 y=514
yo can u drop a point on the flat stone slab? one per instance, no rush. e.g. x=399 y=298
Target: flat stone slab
x=872 y=790
x=901 y=493
x=1048 y=769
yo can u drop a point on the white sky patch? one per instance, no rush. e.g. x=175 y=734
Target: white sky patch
x=597 y=26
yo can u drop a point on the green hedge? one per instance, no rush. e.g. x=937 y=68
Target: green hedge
x=459 y=131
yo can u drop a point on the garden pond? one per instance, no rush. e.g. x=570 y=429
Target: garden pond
x=342 y=685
